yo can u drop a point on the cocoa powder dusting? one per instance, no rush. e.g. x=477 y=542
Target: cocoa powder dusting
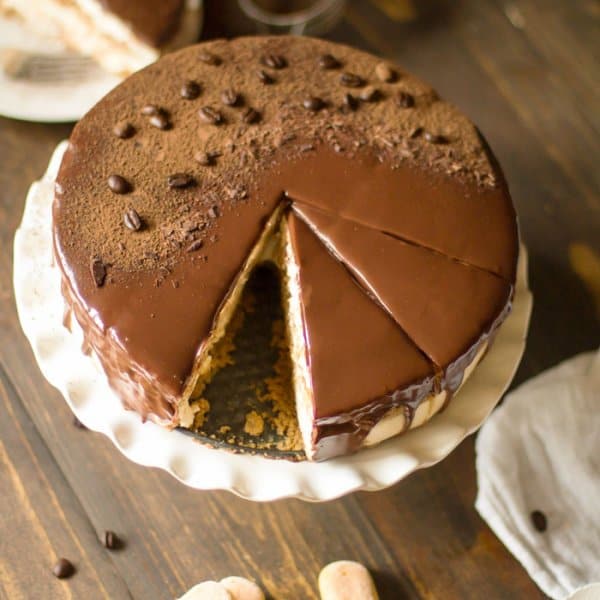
x=274 y=126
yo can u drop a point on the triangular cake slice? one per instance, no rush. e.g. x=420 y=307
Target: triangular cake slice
x=447 y=308
x=352 y=362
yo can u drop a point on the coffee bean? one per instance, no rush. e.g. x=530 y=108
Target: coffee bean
x=204 y=158
x=160 y=121
x=98 y=269
x=195 y=246
x=180 y=181
x=405 y=100
x=385 y=73
x=370 y=94
x=124 y=130
x=350 y=102
x=150 y=109
x=230 y=97
x=351 y=80
x=251 y=116
x=118 y=184
x=210 y=115
x=274 y=61
x=327 y=61
x=132 y=220
x=434 y=138
x=190 y=90
x=77 y=423
x=63 y=568
x=265 y=78
x=111 y=540
x=209 y=59
x=313 y=103
x=539 y=520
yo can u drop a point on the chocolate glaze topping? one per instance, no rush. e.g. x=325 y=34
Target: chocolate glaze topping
x=444 y=305
x=365 y=160
x=153 y=21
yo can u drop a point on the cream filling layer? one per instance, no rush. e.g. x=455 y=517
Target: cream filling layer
x=395 y=421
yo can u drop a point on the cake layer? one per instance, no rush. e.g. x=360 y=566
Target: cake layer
x=169 y=181
x=153 y=21
x=360 y=362
x=445 y=306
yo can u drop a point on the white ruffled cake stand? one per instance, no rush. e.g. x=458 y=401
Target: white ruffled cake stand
x=84 y=386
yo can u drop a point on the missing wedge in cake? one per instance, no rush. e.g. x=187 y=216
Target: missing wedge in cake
x=212 y=355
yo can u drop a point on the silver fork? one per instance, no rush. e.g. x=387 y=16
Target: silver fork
x=46 y=68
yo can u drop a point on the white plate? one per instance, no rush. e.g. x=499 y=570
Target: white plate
x=51 y=103
x=85 y=388
x=42 y=102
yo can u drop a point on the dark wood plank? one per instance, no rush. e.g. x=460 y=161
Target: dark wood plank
x=41 y=518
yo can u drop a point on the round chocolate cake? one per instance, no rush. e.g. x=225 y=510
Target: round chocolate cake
x=380 y=204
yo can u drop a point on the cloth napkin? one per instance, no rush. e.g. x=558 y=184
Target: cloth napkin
x=540 y=451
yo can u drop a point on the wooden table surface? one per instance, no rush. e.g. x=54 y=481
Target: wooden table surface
x=527 y=72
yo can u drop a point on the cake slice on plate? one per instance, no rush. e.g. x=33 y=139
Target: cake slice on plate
x=123 y=36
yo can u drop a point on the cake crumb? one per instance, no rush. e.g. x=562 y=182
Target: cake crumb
x=255 y=424
x=202 y=408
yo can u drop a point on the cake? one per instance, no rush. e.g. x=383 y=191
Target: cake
x=121 y=35
x=381 y=206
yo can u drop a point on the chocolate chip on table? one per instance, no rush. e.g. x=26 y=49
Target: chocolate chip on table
x=77 y=423
x=313 y=103
x=118 y=184
x=63 y=568
x=230 y=97
x=190 y=90
x=405 y=100
x=209 y=59
x=539 y=520
x=328 y=61
x=180 y=181
x=124 y=130
x=274 y=61
x=98 y=269
x=195 y=246
x=370 y=94
x=385 y=73
x=434 y=138
x=351 y=80
x=210 y=115
x=111 y=540
x=250 y=115
x=264 y=77
x=132 y=220
x=160 y=121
